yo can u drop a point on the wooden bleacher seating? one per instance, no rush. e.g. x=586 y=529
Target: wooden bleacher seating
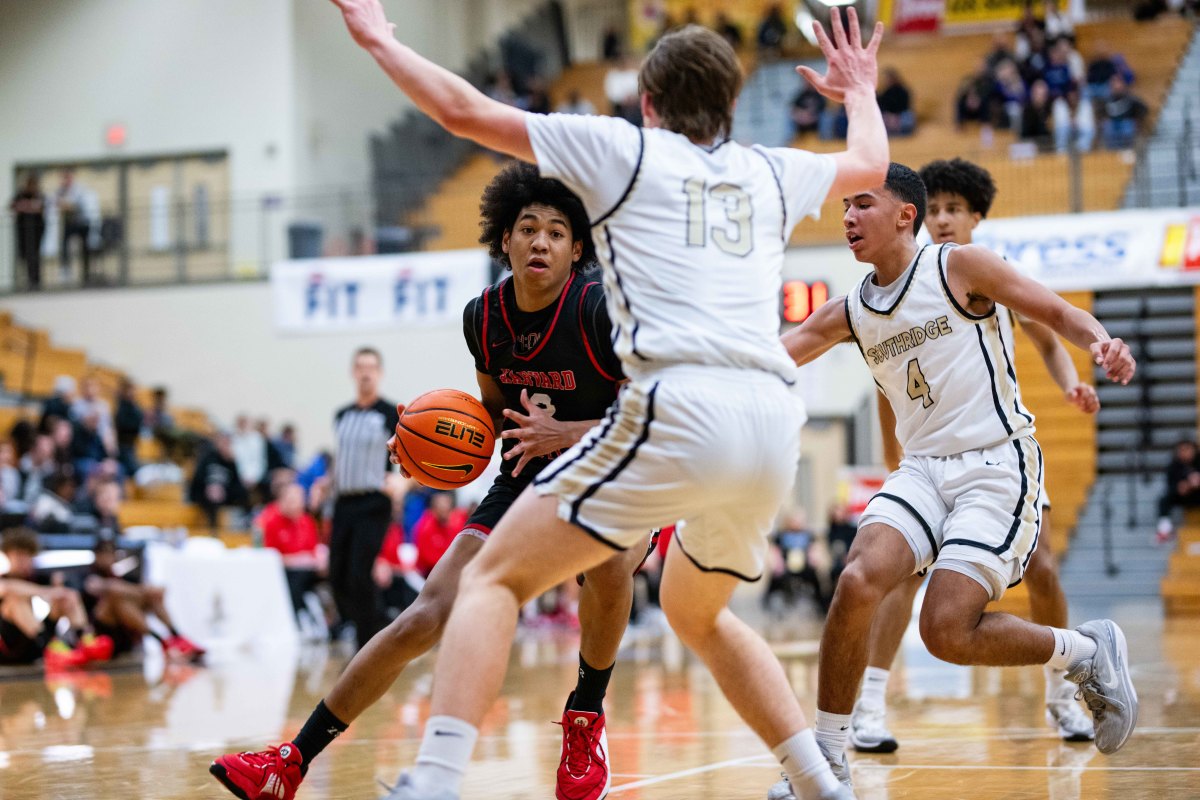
x=1068 y=440
x=1181 y=585
x=1040 y=185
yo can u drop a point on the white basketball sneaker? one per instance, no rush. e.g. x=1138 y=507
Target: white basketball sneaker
x=1065 y=716
x=1105 y=685
x=868 y=730
x=841 y=770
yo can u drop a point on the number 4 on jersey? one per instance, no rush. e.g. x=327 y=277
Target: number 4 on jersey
x=918 y=387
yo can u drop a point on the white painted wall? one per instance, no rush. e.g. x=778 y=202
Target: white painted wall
x=216 y=348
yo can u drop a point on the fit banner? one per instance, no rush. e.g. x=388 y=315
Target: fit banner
x=912 y=16
x=364 y=292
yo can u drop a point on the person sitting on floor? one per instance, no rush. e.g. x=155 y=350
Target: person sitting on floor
x=120 y=608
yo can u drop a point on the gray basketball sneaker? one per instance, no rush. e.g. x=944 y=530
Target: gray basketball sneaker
x=403 y=790
x=1105 y=686
x=783 y=789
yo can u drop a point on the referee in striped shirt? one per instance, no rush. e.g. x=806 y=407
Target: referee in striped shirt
x=362 y=511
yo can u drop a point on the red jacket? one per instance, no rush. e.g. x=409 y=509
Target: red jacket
x=433 y=538
x=288 y=536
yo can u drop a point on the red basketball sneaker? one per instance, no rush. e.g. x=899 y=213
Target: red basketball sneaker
x=97 y=648
x=273 y=773
x=583 y=770
x=184 y=649
x=59 y=655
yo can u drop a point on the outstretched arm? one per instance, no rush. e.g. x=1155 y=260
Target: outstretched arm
x=1061 y=367
x=449 y=100
x=850 y=79
x=820 y=332
x=984 y=274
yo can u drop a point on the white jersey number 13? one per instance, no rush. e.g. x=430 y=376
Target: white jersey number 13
x=736 y=236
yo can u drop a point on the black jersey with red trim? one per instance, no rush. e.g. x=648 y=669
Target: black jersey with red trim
x=562 y=354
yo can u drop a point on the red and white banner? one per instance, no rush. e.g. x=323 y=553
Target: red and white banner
x=917 y=16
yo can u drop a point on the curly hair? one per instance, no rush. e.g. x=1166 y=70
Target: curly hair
x=520 y=185
x=958 y=176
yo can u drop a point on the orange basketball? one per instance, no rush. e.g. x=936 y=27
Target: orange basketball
x=445 y=439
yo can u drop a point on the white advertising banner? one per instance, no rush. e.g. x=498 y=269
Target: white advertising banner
x=1153 y=247
x=364 y=292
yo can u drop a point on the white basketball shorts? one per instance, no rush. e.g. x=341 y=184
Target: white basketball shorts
x=976 y=512
x=708 y=449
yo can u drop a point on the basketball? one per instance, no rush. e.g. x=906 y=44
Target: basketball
x=445 y=439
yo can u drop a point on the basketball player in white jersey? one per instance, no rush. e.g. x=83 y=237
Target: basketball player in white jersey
x=690 y=229
x=960 y=196
x=965 y=502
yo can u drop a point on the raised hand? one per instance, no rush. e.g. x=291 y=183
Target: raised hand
x=1113 y=356
x=1084 y=397
x=852 y=67
x=366 y=22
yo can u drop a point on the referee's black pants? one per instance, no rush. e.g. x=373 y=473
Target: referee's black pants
x=360 y=522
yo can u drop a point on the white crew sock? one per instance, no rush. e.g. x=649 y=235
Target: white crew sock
x=832 y=731
x=444 y=755
x=1071 y=648
x=805 y=764
x=874 y=688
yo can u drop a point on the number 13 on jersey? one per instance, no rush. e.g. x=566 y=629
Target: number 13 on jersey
x=736 y=236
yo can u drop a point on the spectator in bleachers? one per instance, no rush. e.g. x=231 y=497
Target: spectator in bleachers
x=1034 y=64
x=285 y=445
x=128 y=425
x=10 y=476
x=275 y=462
x=288 y=528
x=23 y=434
x=1010 y=97
x=576 y=104
x=833 y=123
x=501 y=89
x=88 y=446
x=895 y=101
x=1105 y=64
x=53 y=509
x=436 y=529
x=771 y=32
x=537 y=100
x=1029 y=30
x=1123 y=115
x=976 y=96
x=1056 y=24
x=791 y=562
x=318 y=469
x=58 y=405
x=610 y=46
x=29 y=207
x=103 y=504
x=842 y=530
x=1000 y=52
x=1074 y=122
x=216 y=483
x=807 y=106
x=1036 y=116
x=120 y=608
x=250 y=453
x=1057 y=72
x=37 y=465
x=90 y=402
x=62 y=432
x=1182 y=489
x=729 y=30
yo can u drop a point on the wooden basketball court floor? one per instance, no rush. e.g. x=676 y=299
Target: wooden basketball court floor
x=149 y=732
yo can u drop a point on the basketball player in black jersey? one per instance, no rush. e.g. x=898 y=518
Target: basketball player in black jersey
x=547 y=373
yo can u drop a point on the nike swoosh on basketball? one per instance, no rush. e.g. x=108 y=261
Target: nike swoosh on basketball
x=465 y=469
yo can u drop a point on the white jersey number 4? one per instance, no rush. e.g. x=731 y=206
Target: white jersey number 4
x=918 y=387
x=739 y=213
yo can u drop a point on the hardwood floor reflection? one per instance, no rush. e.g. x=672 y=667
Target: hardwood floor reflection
x=965 y=733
